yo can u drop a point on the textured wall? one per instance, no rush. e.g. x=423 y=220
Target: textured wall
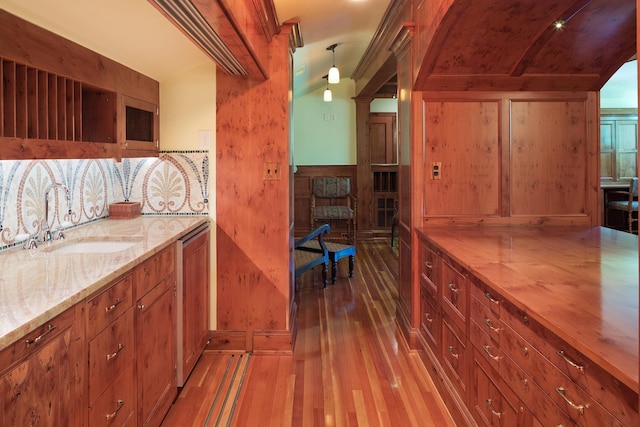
x=176 y=183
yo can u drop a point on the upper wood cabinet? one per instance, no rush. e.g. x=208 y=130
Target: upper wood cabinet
x=61 y=100
x=618 y=144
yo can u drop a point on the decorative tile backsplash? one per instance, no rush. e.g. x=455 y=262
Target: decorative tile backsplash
x=176 y=183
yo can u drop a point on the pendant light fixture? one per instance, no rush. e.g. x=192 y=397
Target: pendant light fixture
x=327 y=96
x=334 y=73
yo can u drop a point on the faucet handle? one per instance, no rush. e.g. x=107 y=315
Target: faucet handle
x=58 y=234
x=30 y=241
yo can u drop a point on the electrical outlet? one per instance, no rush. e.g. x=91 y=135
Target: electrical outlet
x=272 y=171
x=436 y=170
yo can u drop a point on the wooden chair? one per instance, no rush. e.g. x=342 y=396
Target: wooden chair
x=333 y=203
x=311 y=251
x=625 y=201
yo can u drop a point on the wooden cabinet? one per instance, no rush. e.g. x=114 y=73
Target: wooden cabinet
x=61 y=100
x=618 y=145
x=193 y=300
x=155 y=291
x=499 y=367
x=39 y=377
x=138 y=128
x=111 y=362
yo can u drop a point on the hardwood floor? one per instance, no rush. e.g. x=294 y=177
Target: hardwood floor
x=350 y=366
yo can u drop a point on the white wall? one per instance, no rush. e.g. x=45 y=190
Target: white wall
x=188 y=107
x=621 y=91
x=325 y=132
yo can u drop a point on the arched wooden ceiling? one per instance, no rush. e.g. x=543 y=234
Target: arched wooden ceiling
x=513 y=45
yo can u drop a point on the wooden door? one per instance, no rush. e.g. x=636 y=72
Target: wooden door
x=155 y=340
x=194 y=308
x=383 y=156
x=40 y=388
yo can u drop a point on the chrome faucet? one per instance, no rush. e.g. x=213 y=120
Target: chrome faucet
x=45 y=232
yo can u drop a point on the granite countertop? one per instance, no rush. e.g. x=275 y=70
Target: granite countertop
x=36 y=285
x=581 y=284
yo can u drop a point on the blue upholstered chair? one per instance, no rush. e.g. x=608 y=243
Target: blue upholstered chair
x=333 y=203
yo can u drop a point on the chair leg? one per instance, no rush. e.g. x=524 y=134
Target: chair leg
x=351 y=264
x=334 y=272
x=325 y=271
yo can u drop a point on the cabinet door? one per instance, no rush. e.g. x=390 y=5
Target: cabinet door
x=39 y=390
x=193 y=315
x=155 y=338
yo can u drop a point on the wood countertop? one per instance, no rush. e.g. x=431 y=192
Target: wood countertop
x=581 y=284
x=36 y=285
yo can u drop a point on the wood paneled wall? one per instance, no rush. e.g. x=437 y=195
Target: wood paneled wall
x=510 y=158
x=302 y=191
x=254 y=276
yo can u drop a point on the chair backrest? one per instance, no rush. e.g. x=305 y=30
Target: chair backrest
x=331 y=186
x=633 y=187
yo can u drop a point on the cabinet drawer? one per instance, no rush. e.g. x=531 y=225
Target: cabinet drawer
x=116 y=406
x=109 y=353
x=150 y=272
x=487 y=320
x=455 y=356
x=492 y=403
x=429 y=320
x=454 y=294
x=107 y=306
x=488 y=348
x=36 y=339
x=541 y=405
x=429 y=266
x=547 y=355
x=485 y=295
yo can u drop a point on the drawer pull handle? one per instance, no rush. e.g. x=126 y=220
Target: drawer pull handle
x=570 y=362
x=490 y=298
x=452 y=289
x=114 y=413
x=40 y=337
x=579 y=408
x=428 y=318
x=114 y=305
x=140 y=307
x=113 y=355
x=493 y=411
x=490 y=325
x=454 y=355
x=525 y=350
x=428 y=264
x=487 y=350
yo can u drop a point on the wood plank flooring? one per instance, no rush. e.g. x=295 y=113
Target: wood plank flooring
x=350 y=367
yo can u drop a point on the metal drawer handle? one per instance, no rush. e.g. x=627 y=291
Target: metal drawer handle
x=113 y=355
x=452 y=289
x=114 y=413
x=428 y=264
x=40 y=337
x=490 y=326
x=428 y=318
x=455 y=355
x=579 y=408
x=493 y=411
x=114 y=305
x=487 y=350
x=570 y=362
x=490 y=298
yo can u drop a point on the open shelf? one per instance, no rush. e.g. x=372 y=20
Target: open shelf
x=36 y=104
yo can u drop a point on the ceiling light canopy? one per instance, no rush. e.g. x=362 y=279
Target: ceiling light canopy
x=334 y=73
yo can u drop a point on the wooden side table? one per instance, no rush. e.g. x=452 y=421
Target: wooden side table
x=338 y=251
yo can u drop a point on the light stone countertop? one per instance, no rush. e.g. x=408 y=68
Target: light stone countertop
x=37 y=285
